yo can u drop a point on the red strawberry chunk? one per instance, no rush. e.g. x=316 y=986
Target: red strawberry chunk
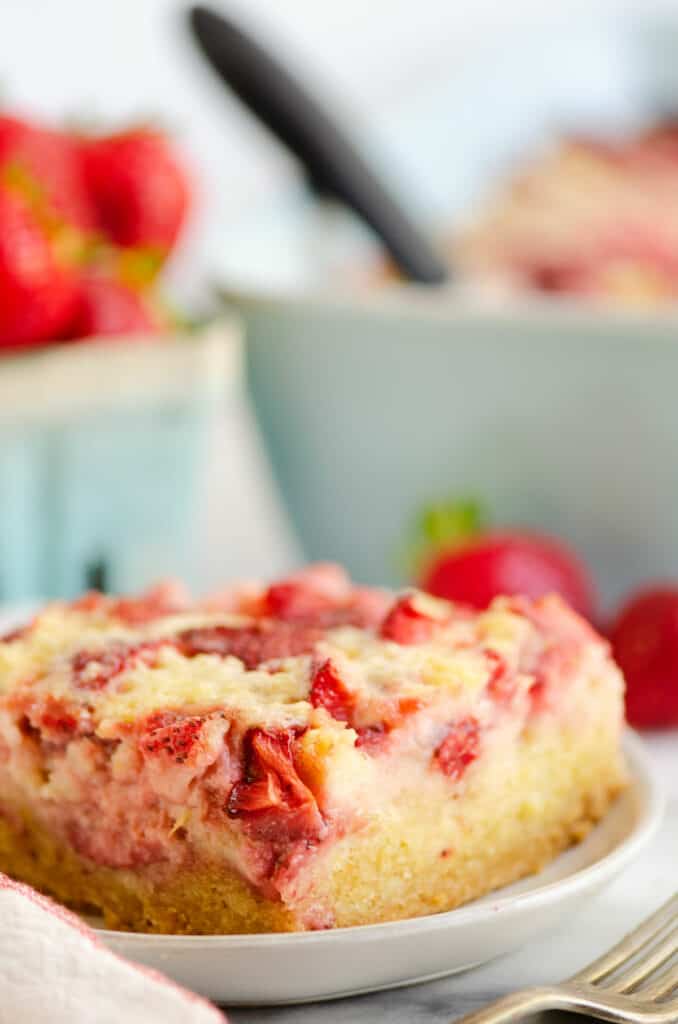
x=166 y=598
x=59 y=722
x=174 y=736
x=93 y=670
x=57 y=719
x=253 y=644
x=328 y=691
x=371 y=737
x=322 y=596
x=53 y=719
x=459 y=748
x=251 y=797
x=16 y=634
x=296 y=602
x=501 y=684
x=270 y=779
x=406 y=625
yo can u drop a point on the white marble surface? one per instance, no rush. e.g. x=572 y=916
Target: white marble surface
x=646 y=884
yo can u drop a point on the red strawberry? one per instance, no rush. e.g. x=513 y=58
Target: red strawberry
x=140 y=191
x=45 y=167
x=459 y=748
x=271 y=782
x=38 y=288
x=644 y=637
x=107 y=306
x=253 y=645
x=93 y=670
x=328 y=691
x=462 y=563
x=172 y=734
x=294 y=601
x=407 y=624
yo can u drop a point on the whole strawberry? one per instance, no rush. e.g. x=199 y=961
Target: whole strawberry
x=44 y=167
x=38 y=286
x=463 y=561
x=140 y=191
x=107 y=305
x=644 y=638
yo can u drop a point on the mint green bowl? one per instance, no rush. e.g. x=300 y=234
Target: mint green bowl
x=557 y=415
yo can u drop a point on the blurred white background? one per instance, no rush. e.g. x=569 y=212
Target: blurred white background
x=132 y=58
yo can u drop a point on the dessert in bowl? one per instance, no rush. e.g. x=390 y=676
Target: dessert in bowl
x=301 y=756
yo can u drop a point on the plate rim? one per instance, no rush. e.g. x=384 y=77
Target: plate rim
x=650 y=813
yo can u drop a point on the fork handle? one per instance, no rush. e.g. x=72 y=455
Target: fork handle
x=607 y=1006
x=512 y=1007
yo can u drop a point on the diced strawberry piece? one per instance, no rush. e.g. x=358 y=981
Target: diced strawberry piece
x=253 y=644
x=93 y=670
x=296 y=602
x=459 y=748
x=406 y=706
x=57 y=719
x=537 y=695
x=371 y=737
x=61 y=723
x=501 y=684
x=328 y=691
x=16 y=634
x=326 y=579
x=172 y=735
x=406 y=625
x=368 y=606
x=167 y=598
x=270 y=777
x=322 y=596
x=252 y=797
x=48 y=718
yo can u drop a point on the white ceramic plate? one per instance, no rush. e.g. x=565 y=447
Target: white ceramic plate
x=301 y=967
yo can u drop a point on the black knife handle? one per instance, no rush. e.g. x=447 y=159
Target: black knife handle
x=331 y=160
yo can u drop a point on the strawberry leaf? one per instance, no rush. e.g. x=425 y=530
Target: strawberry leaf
x=449 y=522
x=440 y=525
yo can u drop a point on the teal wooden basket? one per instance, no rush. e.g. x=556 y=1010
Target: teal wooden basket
x=101 y=444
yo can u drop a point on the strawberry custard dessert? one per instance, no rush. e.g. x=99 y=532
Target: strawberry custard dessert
x=591 y=218
x=306 y=755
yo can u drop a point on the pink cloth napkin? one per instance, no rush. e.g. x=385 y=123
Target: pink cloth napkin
x=53 y=969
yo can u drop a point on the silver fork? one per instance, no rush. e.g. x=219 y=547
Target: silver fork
x=636 y=982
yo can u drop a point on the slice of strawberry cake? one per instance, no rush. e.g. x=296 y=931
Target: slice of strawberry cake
x=306 y=755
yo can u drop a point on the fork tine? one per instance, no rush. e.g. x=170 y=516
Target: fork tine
x=630 y=944
x=646 y=966
x=663 y=985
